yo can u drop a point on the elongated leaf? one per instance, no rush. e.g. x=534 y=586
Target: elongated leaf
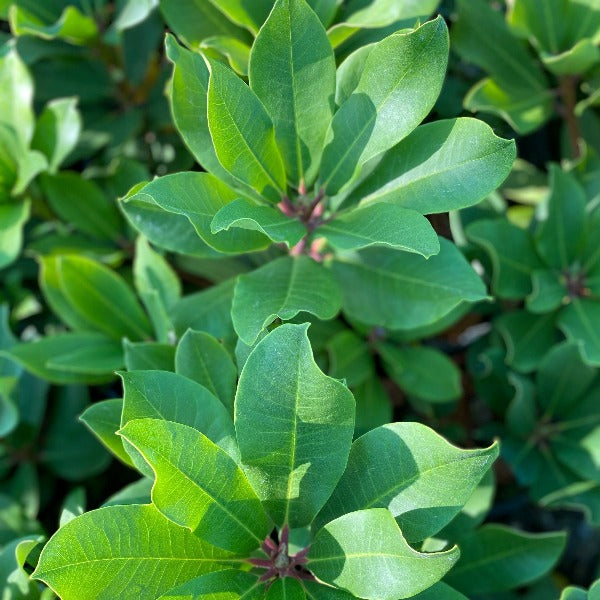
x=382 y=224
x=249 y=15
x=294 y=426
x=435 y=170
x=243 y=133
x=198 y=485
x=235 y=51
x=202 y=358
x=495 y=558
x=282 y=288
x=579 y=323
x=12 y=220
x=400 y=82
x=245 y=585
x=408 y=468
x=403 y=291
x=126 y=552
x=247 y=215
x=292 y=48
x=365 y=553
x=199 y=197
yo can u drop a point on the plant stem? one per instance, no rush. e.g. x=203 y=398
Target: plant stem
x=568 y=93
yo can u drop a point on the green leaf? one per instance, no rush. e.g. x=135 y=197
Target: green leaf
x=243 y=585
x=202 y=358
x=145 y=356
x=423 y=372
x=82 y=203
x=243 y=133
x=248 y=15
x=496 y=558
x=103 y=419
x=381 y=224
x=527 y=337
x=57 y=131
x=398 y=290
x=579 y=321
x=282 y=288
x=575 y=61
x=434 y=170
x=365 y=553
x=133 y=12
x=236 y=52
x=548 y=293
x=269 y=221
x=72 y=506
x=558 y=237
x=401 y=80
x=13 y=217
x=373 y=406
x=415 y=473
x=294 y=426
x=292 y=49
x=172 y=397
x=288 y=589
x=143 y=556
x=350 y=358
x=440 y=591
x=67 y=358
x=199 y=197
x=16 y=582
x=203 y=490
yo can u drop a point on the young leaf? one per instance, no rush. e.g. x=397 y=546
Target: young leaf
x=434 y=171
x=401 y=80
x=292 y=49
x=409 y=469
x=13 y=217
x=365 y=553
x=295 y=284
x=202 y=358
x=249 y=15
x=198 y=485
x=496 y=558
x=294 y=426
x=381 y=224
x=398 y=290
x=235 y=51
x=243 y=133
x=126 y=552
x=245 y=586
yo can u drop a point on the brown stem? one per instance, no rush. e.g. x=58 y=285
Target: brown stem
x=568 y=93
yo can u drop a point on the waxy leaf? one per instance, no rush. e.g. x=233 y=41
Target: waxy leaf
x=365 y=553
x=198 y=485
x=400 y=82
x=220 y=584
x=126 y=552
x=402 y=291
x=235 y=51
x=202 y=358
x=292 y=49
x=286 y=589
x=243 y=133
x=439 y=167
x=409 y=469
x=145 y=356
x=579 y=322
x=294 y=426
x=265 y=219
x=382 y=224
x=294 y=284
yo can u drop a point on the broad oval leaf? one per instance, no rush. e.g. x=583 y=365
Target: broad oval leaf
x=365 y=553
x=415 y=473
x=292 y=49
x=198 y=485
x=126 y=552
x=399 y=85
x=294 y=426
x=233 y=583
x=282 y=288
x=287 y=589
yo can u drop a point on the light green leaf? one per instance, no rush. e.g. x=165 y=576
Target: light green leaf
x=381 y=224
x=265 y=219
x=282 y=288
x=235 y=51
x=57 y=131
x=292 y=49
x=30 y=163
x=401 y=80
x=126 y=552
x=13 y=217
x=398 y=290
x=134 y=12
x=16 y=582
x=440 y=591
x=198 y=485
x=243 y=133
x=72 y=506
x=233 y=583
x=294 y=426
x=202 y=358
x=412 y=471
x=441 y=166
x=496 y=558
x=199 y=197
x=249 y=15
x=579 y=322
x=575 y=61
x=365 y=553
